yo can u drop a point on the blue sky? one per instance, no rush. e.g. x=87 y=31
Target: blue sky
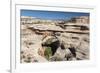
x=53 y=15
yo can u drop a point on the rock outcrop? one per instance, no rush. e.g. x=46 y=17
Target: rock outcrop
x=49 y=40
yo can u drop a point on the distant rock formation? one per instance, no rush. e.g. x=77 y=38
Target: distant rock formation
x=81 y=19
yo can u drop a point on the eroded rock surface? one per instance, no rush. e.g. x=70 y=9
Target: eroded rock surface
x=44 y=41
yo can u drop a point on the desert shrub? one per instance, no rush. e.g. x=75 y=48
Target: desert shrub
x=48 y=53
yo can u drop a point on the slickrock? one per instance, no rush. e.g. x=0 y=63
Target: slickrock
x=54 y=40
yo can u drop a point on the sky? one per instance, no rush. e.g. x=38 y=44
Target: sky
x=52 y=15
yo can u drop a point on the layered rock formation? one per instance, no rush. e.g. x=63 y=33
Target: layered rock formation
x=54 y=40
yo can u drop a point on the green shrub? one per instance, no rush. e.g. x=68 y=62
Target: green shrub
x=48 y=53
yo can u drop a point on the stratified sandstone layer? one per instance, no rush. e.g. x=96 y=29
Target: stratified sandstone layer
x=54 y=40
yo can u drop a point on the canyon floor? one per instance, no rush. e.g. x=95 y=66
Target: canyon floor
x=49 y=42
